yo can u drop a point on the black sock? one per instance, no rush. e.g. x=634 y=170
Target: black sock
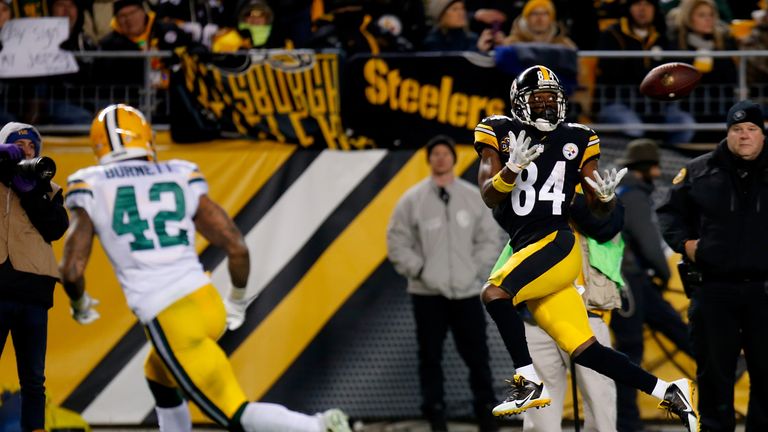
x=512 y=330
x=165 y=397
x=616 y=366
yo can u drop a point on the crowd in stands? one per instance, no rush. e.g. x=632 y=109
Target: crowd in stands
x=379 y=26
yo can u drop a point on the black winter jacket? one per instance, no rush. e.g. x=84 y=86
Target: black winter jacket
x=723 y=202
x=644 y=249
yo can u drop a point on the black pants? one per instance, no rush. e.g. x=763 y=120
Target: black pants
x=466 y=319
x=28 y=326
x=726 y=318
x=642 y=304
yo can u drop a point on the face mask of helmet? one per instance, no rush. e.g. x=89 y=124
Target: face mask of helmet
x=538 y=99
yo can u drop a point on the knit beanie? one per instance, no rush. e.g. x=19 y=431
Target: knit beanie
x=441 y=140
x=437 y=8
x=119 y=4
x=533 y=4
x=13 y=131
x=745 y=111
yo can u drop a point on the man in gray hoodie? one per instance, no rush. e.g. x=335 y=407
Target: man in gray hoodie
x=444 y=241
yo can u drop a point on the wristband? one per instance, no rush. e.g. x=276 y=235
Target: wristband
x=500 y=184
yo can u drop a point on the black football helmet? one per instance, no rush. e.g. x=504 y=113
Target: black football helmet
x=543 y=115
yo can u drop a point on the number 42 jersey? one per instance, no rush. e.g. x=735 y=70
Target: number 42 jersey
x=539 y=203
x=142 y=212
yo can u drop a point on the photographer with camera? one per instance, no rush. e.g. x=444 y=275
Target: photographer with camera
x=714 y=216
x=32 y=215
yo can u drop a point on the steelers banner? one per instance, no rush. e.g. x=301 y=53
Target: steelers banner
x=401 y=101
x=285 y=96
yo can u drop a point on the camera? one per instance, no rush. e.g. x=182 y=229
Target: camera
x=40 y=168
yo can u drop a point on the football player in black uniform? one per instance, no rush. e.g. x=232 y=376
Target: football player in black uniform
x=530 y=166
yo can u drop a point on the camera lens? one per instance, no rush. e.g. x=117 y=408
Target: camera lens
x=40 y=168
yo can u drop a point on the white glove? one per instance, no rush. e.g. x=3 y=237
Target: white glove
x=606 y=188
x=520 y=155
x=236 y=306
x=83 y=309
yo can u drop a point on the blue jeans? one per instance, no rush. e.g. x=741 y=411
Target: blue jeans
x=28 y=326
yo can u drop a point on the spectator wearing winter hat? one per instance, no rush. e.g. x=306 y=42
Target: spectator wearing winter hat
x=715 y=218
x=134 y=28
x=33 y=217
x=450 y=29
x=538 y=24
x=253 y=28
x=645 y=271
x=443 y=241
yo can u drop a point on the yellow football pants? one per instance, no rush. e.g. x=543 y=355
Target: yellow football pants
x=185 y=354
x=542 y=274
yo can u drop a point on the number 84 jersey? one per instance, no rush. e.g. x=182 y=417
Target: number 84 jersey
x=143 y=214
x=539 y=203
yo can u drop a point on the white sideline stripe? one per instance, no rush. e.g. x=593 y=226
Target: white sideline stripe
x=272 y=243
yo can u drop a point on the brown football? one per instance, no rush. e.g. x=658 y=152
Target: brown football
x=670 y=81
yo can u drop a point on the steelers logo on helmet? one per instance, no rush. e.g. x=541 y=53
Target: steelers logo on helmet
x=121 y=132
x=538 y=99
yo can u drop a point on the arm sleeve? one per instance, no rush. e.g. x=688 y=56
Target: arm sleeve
x=676 y=216
x=592 y=150
x=46 y=211
x=642 y=233
x=402 y=239
x=600 y=229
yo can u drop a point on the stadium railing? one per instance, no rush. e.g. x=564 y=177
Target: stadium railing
x=20 y=97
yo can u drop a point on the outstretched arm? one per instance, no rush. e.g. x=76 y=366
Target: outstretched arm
x=77 y=250
x=600 y=191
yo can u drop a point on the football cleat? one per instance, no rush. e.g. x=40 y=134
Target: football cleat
x=336 y=421
x=522 y=395
x=678 y=400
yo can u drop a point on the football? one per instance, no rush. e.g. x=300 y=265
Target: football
x=670 y=81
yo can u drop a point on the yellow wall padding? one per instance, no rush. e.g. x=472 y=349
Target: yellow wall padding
x=235 y=171
x=269 y=351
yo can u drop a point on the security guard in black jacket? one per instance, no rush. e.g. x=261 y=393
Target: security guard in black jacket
x=716 y=215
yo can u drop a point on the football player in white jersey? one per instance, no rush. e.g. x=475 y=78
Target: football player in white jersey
x=146 y=213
